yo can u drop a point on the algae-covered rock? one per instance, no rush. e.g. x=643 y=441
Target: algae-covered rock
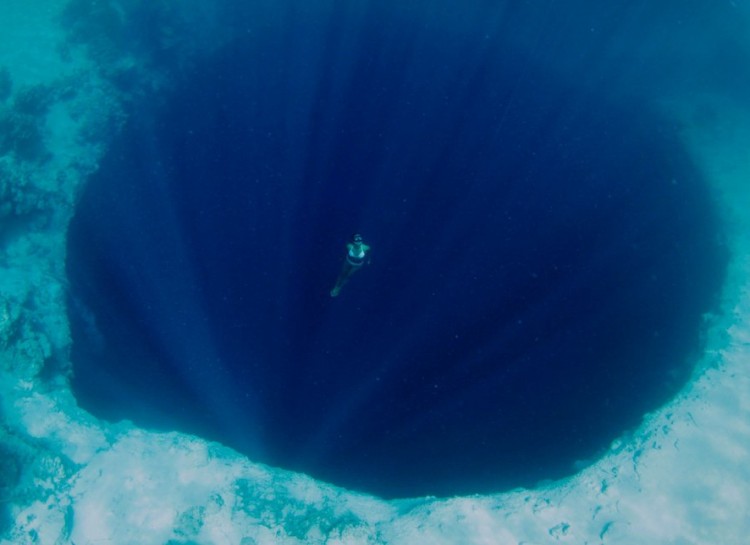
x=34 y=100
x=10 y=474
x=20 y=134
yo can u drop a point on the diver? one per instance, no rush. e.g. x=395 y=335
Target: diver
x=356 y=257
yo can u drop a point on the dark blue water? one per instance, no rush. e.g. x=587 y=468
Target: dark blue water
x=543 y=251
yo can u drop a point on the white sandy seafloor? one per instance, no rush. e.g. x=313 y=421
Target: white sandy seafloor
x=683 y=477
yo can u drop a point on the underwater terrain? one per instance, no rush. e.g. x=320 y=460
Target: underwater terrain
x=542 y=255
x=550 y=330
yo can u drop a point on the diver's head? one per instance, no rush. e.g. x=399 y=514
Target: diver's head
x=357 y=239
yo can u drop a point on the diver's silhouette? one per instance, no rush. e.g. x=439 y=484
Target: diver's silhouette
x=356 y=257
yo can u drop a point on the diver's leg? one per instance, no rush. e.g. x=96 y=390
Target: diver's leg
x=346 y=272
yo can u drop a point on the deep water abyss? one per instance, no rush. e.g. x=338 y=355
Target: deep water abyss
x=543 y=254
